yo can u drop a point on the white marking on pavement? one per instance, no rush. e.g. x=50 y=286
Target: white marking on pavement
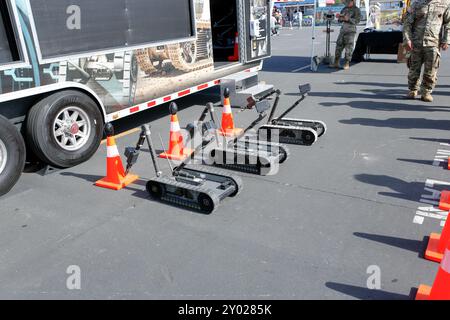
x=302 y=68
x=418 y=220
x=432 y=197
x=431 y=182
x=438 y=216
x=441 y=156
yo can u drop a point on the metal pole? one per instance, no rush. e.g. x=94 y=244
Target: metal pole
x=313 y=35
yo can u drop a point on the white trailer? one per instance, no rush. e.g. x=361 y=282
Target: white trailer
x=69 y=66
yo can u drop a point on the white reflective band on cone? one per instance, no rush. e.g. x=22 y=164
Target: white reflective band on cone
x=174 y=126
x=445 y=264
x=112 y=152
x=226 y=108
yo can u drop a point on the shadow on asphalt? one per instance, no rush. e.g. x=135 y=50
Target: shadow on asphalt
x=442 y=164
x=405 y=244
x=431 y=139
x=138 y=192
x=87 y=177
x=441 y=93
x=403 y=190
x=382 y=94
x=291 y=64
x=367 y=294
x=381 y=106
x=286 y=63
x=400 y=123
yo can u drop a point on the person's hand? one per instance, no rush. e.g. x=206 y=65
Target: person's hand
x=346 y=18
x=409 y=46
x=444 y=46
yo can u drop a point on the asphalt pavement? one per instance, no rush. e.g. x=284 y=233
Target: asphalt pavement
x=362 y=199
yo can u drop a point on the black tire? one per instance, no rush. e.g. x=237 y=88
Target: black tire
x=206 y=203
x=284 y=154
x=237 y=181
x=154 y=189
x=308 y=138
x=40 y=127
x=12 y=141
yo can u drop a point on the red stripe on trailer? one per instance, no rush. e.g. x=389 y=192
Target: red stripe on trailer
x=134 y=109
x=128 y=111
x=203 y=86
x=183 y=93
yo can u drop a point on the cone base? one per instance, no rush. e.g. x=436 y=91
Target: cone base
x=179 y=157
x=444 y=202
x=432 y=252
x=423 y=293
x=230 y=132
x=125 y=181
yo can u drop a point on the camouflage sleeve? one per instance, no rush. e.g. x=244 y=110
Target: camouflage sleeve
x=356 y=18
x=407 y=25
x=446 y=26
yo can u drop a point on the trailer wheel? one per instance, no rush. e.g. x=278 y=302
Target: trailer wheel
x=12 y=155
x=65 y=128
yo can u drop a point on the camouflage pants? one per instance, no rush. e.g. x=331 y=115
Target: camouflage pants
x=346 y=40
x=430 y=58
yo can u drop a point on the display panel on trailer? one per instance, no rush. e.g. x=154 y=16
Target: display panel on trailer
x=75 y=27
x=11 y=40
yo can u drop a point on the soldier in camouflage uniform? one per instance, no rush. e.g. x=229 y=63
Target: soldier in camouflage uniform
x=350 y=16
x=425 y=32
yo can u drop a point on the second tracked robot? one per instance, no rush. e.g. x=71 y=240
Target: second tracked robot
x=244 y=153
x=289 y=130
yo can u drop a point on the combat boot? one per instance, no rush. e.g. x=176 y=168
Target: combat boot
x=412 y=94
x=346 y=65
x=426 y=97
x=335 y=65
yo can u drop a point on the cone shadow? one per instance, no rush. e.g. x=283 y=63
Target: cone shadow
x=365 y=293
x=405 y=244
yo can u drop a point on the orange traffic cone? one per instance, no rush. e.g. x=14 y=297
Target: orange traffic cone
x=438 y=243
x=441 y=285
x=228 y=128
x=176 y=151
x=444 y=202
x=235 y=56
x=448 y=163
x=115 y=179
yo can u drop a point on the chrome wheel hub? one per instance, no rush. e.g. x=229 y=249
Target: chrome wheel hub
x=72 y=128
